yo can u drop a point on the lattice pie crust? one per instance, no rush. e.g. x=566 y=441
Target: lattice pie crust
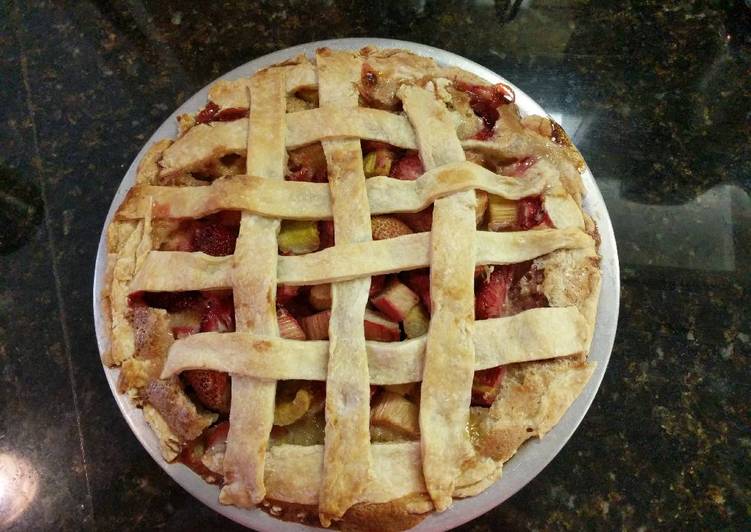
x=408 y=103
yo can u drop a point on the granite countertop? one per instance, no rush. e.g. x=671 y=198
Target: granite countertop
x=656 y=95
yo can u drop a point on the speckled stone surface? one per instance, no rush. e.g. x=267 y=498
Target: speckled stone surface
x=655 y=94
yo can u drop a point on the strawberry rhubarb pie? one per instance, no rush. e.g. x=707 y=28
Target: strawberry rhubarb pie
x=353 y=286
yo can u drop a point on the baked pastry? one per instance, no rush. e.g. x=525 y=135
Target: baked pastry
x=351 y=288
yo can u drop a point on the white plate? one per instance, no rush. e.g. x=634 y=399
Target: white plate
x=531 y=458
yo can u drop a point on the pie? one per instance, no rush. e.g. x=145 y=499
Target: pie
x=353 y=286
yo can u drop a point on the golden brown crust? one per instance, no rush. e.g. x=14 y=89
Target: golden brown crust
x=534 y=395
x=393 y=516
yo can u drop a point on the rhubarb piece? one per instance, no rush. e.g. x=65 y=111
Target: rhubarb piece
x=385 y=227
x=419 y=222
x=394 y=412
x=501 y=213
x=320 y=296
x=380 y=329
x=287 y=412
x=491 y=295
x=395 y=301
x=419 y=282
x=316 y=327
x=376 y=284
x=378 y=162
x=184 y=323
x=486 y=385
x=416 y=322
x=212 y=388
x=289 y=327
x=481 y=206
x=286 y=293
x=408 y=168
x=298 y=237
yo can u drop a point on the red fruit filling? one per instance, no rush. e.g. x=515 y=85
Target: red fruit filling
x=419 y=282
x=326 y=234
x=215 y=234
x=214 y=310
x=212 y=113
x=486 y=385
x=485 y=101
x=491 y=293
x=212 y=388
x=530 y=212
x=307 y=164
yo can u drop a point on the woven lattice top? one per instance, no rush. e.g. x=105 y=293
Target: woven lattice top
x=349 y=469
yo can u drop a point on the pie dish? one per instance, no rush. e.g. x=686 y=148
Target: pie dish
x=355 y=301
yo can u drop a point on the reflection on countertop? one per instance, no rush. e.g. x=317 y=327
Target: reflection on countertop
x=654 y=94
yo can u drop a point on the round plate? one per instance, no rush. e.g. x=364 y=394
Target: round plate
x=532 y=456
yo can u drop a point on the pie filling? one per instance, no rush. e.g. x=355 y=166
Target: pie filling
x=398 y=308
x=193 y=406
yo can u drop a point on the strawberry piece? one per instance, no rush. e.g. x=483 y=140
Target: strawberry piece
x=326 y=233
x=395 y=301
x=380 y=329
x=419 y=222
x=288 y=326
x=214 y=238
x=491 y=294
x=320 y=296
x=385 y=227
x=531 y=213
x=408 y=168
x=286 y=293
x=419 y=282
x=212 y=388
x=519 y=168
x=486 y=385
x=220 y=313
x=316 y=327
x=376 y=284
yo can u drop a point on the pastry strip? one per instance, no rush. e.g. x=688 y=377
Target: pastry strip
x=449 y=350
x=233 y=93
x=534 y=334
x=253 y=277
x=346 y=456
x=206 y=142
x=293 y=472
x=296 y=200
x=349 y=261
